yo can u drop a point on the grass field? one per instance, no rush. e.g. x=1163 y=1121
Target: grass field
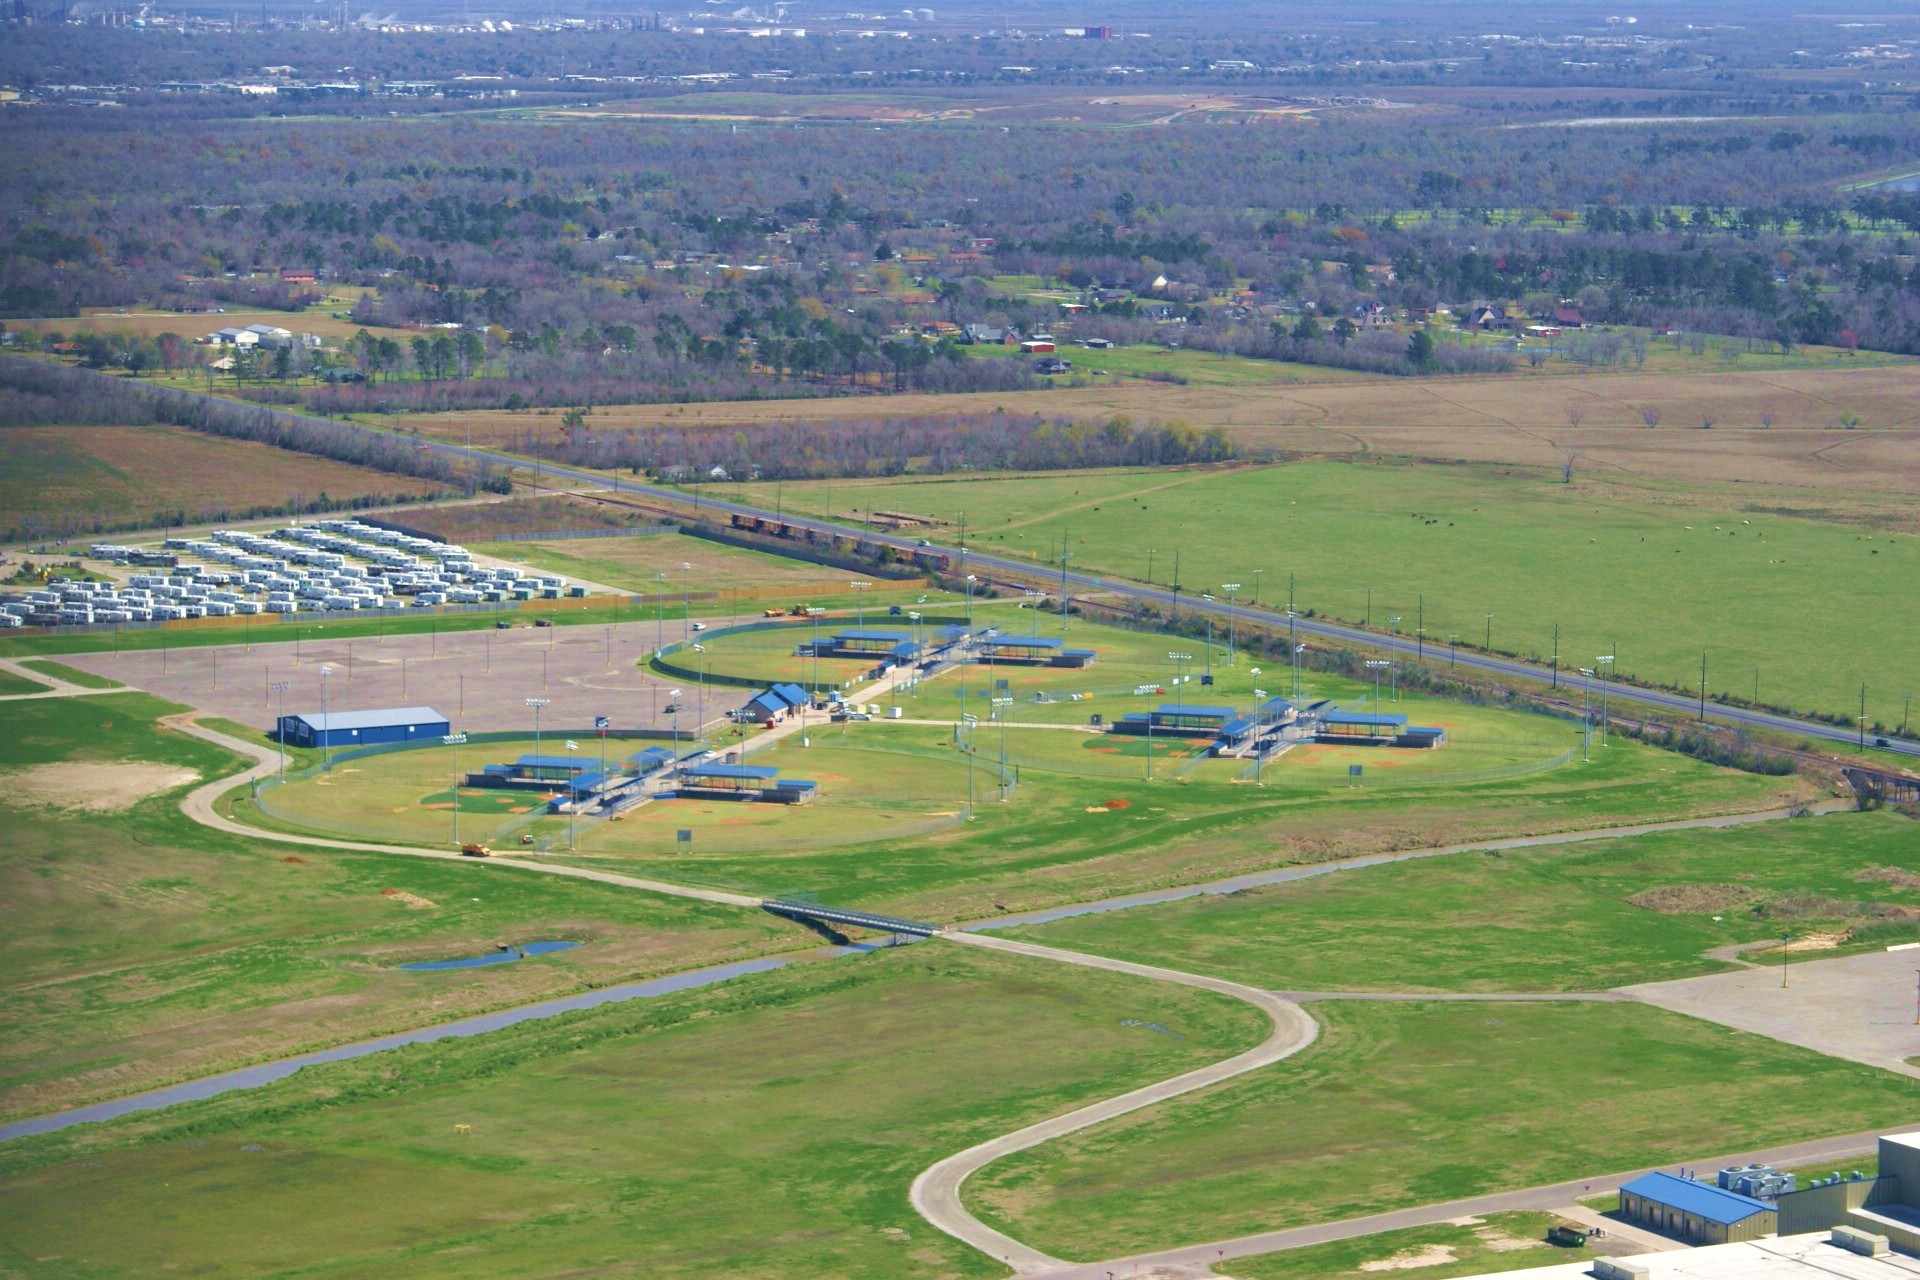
x=72 y=675
x=1657 y=580
x=69 y=477
x=11 y=684
x=1519 y=420
x=1402 y=1104
x=635 y=564
x=1198 y=368
x=767 y=1128
x=149 y=324
x=1577 y=918
x=1497 y=1242
x=146 y=949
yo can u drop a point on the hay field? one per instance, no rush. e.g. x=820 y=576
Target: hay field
x=198 y=324
x=69 y=477
x=1520 y=419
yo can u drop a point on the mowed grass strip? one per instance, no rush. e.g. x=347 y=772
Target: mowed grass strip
x=72 y=675
x=68 y=477
x=12 y=685
x=1568 y=918
x=766 y=1128
x=1483 y=1246
x=1654 y=583
x=146 y=949
x=1409 y=1104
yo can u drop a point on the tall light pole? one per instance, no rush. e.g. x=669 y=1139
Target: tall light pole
x=675 y=695
x=1586 y=714
x=860 y=601
x=1001 y=706
x=1230 y=588
x=700 y=706
x=660 y=612
x=573 y=791
x=326 y=723
x=686 y=595
x=1208 y=599
x=1293 y=650
x=536 y=704
x=1375 y=665
x=1604 y=662
x=1393 y=651
x=1488 y=645
x=1066 y=599
x=971 y=721
x=970 y=581
x=280 y=688
x=1255 y=597
x=455 y=740
x=1033 y=602
x=1259 y=737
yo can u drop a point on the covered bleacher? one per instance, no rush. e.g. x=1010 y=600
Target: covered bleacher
x=1177 y=719
x=892 y=648
x=1031 y=651
x=1358 y=728
x=715 y=781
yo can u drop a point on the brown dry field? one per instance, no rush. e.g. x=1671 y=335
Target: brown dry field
x=123 y=473
x=1519 y=420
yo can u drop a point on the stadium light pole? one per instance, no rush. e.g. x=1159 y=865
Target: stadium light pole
x=280 y=688
x=700 y=705
x=326 y=723
x=1230 y=588
x=971 y=579
x=686 y=595
x=1001 y=705
x=536 y=704
x=971 y=721
x=1376 y=664
x=660 y=608
x=1259 y=749
x=675 y=695
x=859 y=601
x=1604 y=662
x=573 y=791
x=1033 y=602
x=1586 y=714
x=454 y=740
x=1255 y=597
x=1393 y=650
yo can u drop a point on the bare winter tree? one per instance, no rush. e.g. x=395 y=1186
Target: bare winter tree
x=1573 y=456
x=1651 y=416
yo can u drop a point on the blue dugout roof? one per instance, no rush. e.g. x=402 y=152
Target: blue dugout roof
x=797 y=784
x=652 y=757
x=575 y=763
x=735 y=772
x=1237 y=727
x=1701 y=1199
x=793 y=694
x=1026 y=642
x=1276 y=706
x=871 y=636
x=1079 y=653
x=1197 y=713
x=1366 y=719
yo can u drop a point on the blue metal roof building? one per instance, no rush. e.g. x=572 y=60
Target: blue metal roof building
x=363 y=728
x=1695 y=1211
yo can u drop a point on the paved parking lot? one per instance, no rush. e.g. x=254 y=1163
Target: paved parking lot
x=479 y=679
x=1857 y=1007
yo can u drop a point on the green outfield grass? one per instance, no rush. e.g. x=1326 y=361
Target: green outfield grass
x=1403 y=1104
x=1547 y=919
x=768 y=1127
x=145 y=948
x=1655 y=584
x=1200 y=368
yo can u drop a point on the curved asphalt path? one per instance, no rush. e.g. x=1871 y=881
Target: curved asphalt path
x=936 y=1193
x=198 y=805
x=1475 y=661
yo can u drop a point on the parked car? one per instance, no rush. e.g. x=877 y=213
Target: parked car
x=543 y=622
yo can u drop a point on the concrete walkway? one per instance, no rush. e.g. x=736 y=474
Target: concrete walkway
x=56 y=687
x=936 y=1193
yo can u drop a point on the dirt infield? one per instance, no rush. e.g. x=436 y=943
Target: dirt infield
x=1523 y=419
x=96 y=788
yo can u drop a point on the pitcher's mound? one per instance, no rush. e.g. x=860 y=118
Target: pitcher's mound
x=97 y=788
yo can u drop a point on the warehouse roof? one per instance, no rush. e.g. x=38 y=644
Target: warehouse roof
x=335 y=721
x=1701 y=1199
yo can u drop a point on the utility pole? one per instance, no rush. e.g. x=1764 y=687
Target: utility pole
x=1488 y=646
x=280 y=688
x=536 y=704
x=1375 y=664
x=1605 y=663
x=1420 y=632
x=1586 y=714
x=971 y=721
x=1863 y=713
x=1556 y=655
x=1703 y=688
x=326 y=723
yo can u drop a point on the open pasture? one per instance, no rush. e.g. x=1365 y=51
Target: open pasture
x=67 y=479
x=146 y=949
x=1657 y=578
x=149 y=324
x=637 y=565
x=1403 y=1104
x=1521 y=420
x=1582 y=917
x=769 y=1127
